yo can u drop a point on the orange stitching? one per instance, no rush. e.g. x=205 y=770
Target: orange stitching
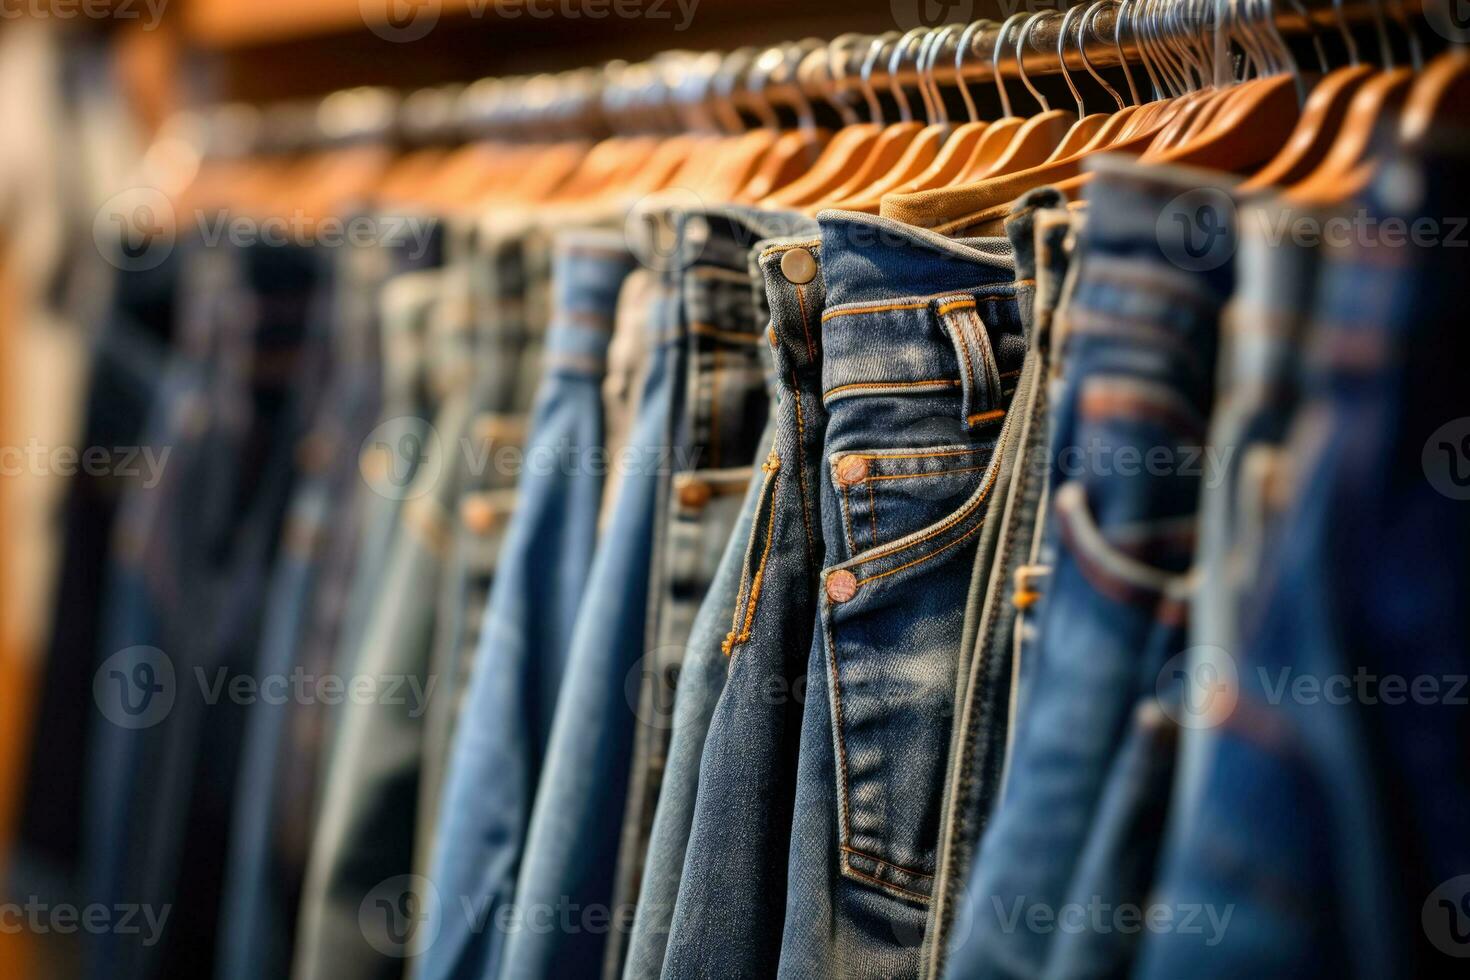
x=919 y=561
x=841 y=729
x=886 y=884
x=934 y=455
x=886 y=863
x=775 y=249
x=915 y=476
x=806 y=512
x=811 y=351
x=957 y=518
x=990 y=416
x=739 y=633
x=964 y=345
x=945 y=382
x=846 y=522
x=705 y=330
x=1011 y=374
x=873 y=513
x=959 y=304
x=913 y=304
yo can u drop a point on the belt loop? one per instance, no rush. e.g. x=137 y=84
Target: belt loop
x=979 y=373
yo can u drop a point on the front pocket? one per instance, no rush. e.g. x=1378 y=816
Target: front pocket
x=893 y=625
x=887 y=494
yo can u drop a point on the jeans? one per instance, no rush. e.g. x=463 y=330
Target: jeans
x=1085 y=785
x=727 y=916
x=919 y=337
x=571 y=844
x=1039 y=233
x=716 y=434
x=1324 y=811
x=497 y=755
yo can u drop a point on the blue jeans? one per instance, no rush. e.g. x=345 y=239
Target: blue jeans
x=496 y=760
x=920 y=338
x=1039 y=232
x=1083 y=786
x=726 y=919
x=717 y=431
x=1330 y=817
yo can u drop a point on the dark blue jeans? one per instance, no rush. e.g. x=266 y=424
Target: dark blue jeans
x=920 y=339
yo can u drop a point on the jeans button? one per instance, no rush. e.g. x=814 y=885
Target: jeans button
x=851 y=469
x=477 y=512
x=694 y=494
x=799 y=266
x=841 y=586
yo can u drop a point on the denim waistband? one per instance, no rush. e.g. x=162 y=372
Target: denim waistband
x=908 y=311
x=588 y=269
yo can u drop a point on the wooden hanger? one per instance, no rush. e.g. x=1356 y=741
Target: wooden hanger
x=1035 y=140
x=1440 y=99
x=794 y=151
x=999 y=134
x=962 y=142
x=924 y=148
x=1085 y=130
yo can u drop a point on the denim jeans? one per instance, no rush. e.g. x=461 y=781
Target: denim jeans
x=716 y=434
x=568 y=868
x=1039 y=232
x=727 y=915
x=1324 y=813
x=193 y=554
x=497 y=756
x=919 y=337
x=1091 y=764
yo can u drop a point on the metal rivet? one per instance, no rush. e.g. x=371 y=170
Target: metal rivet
x=799 y=266
x=694 y=493
x=851 y=469
x=841 y=586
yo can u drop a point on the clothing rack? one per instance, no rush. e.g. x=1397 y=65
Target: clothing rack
x=682 y=90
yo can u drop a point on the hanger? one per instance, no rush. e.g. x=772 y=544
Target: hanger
x=746 y=148
x=845 y=155
x=892 y=140
x=1086 y=126
x=1115 y=127
x=963 y=140
x=794 y=151
x=998 y=134
x=1349 y=161
x=1321 y=120
x=1440 y=99
x=1039 y=135
x=925 y=146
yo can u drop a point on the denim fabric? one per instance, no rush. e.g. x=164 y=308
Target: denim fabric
x=1332 y=823
x=194 y=553
x=727 y=915
x=917 y=332
x=1139 y=347
x=716 y=435
x=985 y=679
x=496 y=759
x=568 y=869
x=266 y=864
x=128 y=358
x=700 y=681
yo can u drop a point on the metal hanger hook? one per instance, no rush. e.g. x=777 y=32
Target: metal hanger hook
x=1021 y=40
x=1000 y=44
